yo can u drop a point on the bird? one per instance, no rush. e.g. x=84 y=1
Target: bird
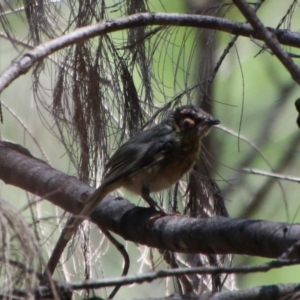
x=155 y=159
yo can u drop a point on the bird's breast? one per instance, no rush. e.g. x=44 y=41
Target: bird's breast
x=165 y=172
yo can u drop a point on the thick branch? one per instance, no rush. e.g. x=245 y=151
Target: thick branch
x=24 y=64
x=181 y=234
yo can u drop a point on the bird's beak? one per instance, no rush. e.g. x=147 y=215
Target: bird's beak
x=211 y=121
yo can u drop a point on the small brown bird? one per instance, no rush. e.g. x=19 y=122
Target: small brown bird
x=155 y=159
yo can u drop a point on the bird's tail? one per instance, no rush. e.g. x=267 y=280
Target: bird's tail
x=92 y=203
x=74 y=222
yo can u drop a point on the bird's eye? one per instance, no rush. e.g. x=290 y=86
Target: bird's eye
x=200 y=119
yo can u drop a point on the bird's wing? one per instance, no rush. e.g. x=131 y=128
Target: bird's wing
x=139 y=153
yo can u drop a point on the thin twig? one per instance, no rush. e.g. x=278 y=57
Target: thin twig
x=274 y=264
x=269 y=174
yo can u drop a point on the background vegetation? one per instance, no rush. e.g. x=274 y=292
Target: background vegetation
x=78 y=104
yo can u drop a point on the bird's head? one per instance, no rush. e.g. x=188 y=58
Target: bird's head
x=191 y=119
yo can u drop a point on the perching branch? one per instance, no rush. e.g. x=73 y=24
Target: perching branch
x=176 y=233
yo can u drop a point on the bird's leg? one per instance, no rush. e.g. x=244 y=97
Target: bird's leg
x=145 y=193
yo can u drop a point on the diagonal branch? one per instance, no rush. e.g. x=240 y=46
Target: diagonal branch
x=176 y=233
x=269 y=38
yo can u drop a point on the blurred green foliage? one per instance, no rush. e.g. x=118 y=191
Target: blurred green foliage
x=247 y=87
